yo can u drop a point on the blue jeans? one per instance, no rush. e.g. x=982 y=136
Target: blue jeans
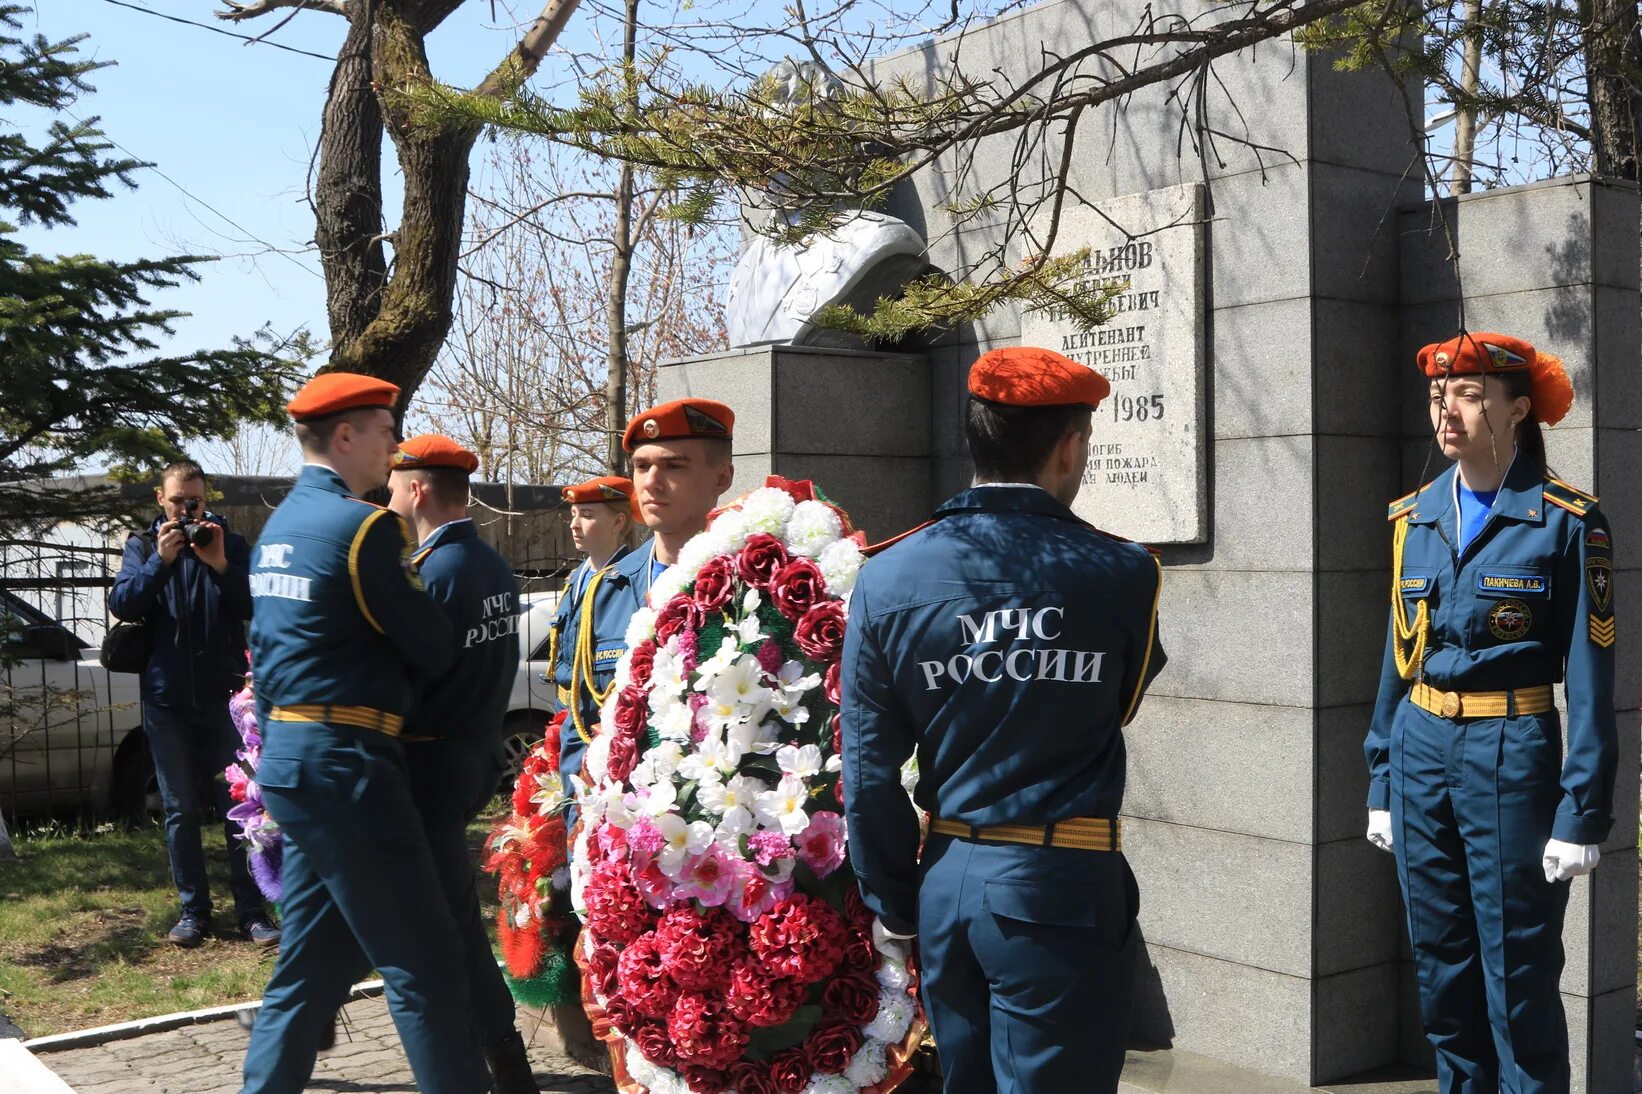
x=190 y=749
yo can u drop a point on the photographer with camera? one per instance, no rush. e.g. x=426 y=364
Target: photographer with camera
x=187 y=582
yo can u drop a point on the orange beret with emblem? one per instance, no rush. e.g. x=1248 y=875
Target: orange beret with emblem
x=605 y=488
x=335 y=392
x=430 y=450
x=1028 y=376
x=1487 y=354
x=679 y=420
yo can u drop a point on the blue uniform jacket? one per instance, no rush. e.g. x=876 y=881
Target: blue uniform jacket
x=475 y=586
x=620 y=593
x=196 y=616
x=1007 y=644
x=1529 y=602
x=341 y=615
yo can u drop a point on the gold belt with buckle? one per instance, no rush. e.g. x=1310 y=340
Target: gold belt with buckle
x=1482 y=704
x=1077 y=834
x=359 y=717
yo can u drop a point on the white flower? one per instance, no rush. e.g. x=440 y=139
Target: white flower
x=521 y=917
x=668 y=584
x=607 y=801
x=893 y=975
x=707 y=671
x=693 y=555
x=870 y=1065
x=748 y=631
x=739 y=687
x=761 y=738
x=667 y=672
x=732 y=525
x=580 y=868
x=683 y=841
x=835 y=764
x=673 y=721
x=641 y=628
x=642 y=1070
x=733 y=800
x=596 y=760
x=893 y=1020
x=659 y=764
x=783 y=807
x=840 y=564
x=821 y=1083
x=766 y=510
x=800 y=762
x=658 y=799
x=709 y=762
x=787 y=699
x=893 y=949
x=812 y=528
x=909 y=776
x=668 y=1082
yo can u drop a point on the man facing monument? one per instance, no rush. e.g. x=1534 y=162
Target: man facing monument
x=1006 y=644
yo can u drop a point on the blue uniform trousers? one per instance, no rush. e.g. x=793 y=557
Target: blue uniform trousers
x=452 y=782
x=1472 y=803
x=357 y=877
x=1028 y=965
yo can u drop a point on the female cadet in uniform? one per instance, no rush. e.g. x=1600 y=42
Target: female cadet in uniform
x=1502 y=585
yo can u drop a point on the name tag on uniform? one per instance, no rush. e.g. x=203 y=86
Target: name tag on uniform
x=608 y=655
x=1514 y=584
x=1414 y=586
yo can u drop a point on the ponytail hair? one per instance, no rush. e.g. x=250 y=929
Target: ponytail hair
x=1519 y=383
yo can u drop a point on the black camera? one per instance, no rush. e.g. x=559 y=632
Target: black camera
x=199 y=533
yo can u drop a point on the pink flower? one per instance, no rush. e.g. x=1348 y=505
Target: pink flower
x=656 y=887
x=687 y=651
x=612 y=842
x=753 y=893
x=769 y=845
x=645 y=838
x=708 y=877
x=821 y=845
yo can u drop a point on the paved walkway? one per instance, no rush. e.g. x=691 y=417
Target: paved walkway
x=206 y=1059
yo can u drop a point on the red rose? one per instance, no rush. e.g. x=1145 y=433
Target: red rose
x=856 y=910
x=624 y=756
x=616 y=911
x=700 y=948
x=641 y=976
x=837 y=726
x=760 y=559
x=790 y=1071
x=831 y=1046
x=860 y=955
x=601 y=966
x=801 y=937
x=831 y=684
x=703 y=1080
x=622 y=1015
x=852 y=999
x=656 y=1044
x=797 y=587
x=680 y=614
x=751 y=1077
x=760 y=999
x=820 y=633
x=641 y=661
x=705 y=1033
x=632 y=711
x=715 y=586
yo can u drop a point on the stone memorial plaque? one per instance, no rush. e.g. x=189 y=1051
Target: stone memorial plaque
x=1146 y=478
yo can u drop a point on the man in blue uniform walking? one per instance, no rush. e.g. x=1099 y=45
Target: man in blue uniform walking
x=1006 y=644
x=341 y=631
x=453 y=736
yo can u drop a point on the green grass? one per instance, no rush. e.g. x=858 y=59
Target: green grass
x=83 y=919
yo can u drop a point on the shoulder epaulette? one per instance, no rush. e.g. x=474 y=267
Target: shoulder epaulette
x=1571 y=498
x=1405 y=504
x=872 y=549
x=362 y=501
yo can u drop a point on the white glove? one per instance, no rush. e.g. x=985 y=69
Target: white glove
x=1565 y=860
x=1379 y=829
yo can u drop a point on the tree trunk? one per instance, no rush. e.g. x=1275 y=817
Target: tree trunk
x=348 y=196
x=1465 y=112
x=621 y=266
x=1613 y=62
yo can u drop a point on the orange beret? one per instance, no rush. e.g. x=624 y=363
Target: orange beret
x=1485 y=353
x=605 y=488
x=433 y=450
x=678 y=420
x=333 y=392
x=1028 y=376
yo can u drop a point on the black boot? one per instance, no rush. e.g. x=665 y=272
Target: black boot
x=510 y=1066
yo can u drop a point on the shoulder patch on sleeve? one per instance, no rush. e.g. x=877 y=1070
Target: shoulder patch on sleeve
x=1402 y=506
x=1574 y=500
x=1602 y=631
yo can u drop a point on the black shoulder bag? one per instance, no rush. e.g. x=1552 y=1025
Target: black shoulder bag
x=128 y=646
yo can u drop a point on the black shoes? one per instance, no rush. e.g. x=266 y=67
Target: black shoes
x=510 y=1067
x=259 y=929
x=189 y=931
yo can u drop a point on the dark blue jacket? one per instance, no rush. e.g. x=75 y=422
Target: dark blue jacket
x=1007 y=644
x=474 y=585
x=621 y=591
x=1529 y=601
x=341 y=614
x=196 y=616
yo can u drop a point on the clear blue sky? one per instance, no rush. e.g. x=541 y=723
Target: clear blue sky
x=234 y=125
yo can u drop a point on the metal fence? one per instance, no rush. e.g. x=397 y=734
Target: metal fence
x=71 y=745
